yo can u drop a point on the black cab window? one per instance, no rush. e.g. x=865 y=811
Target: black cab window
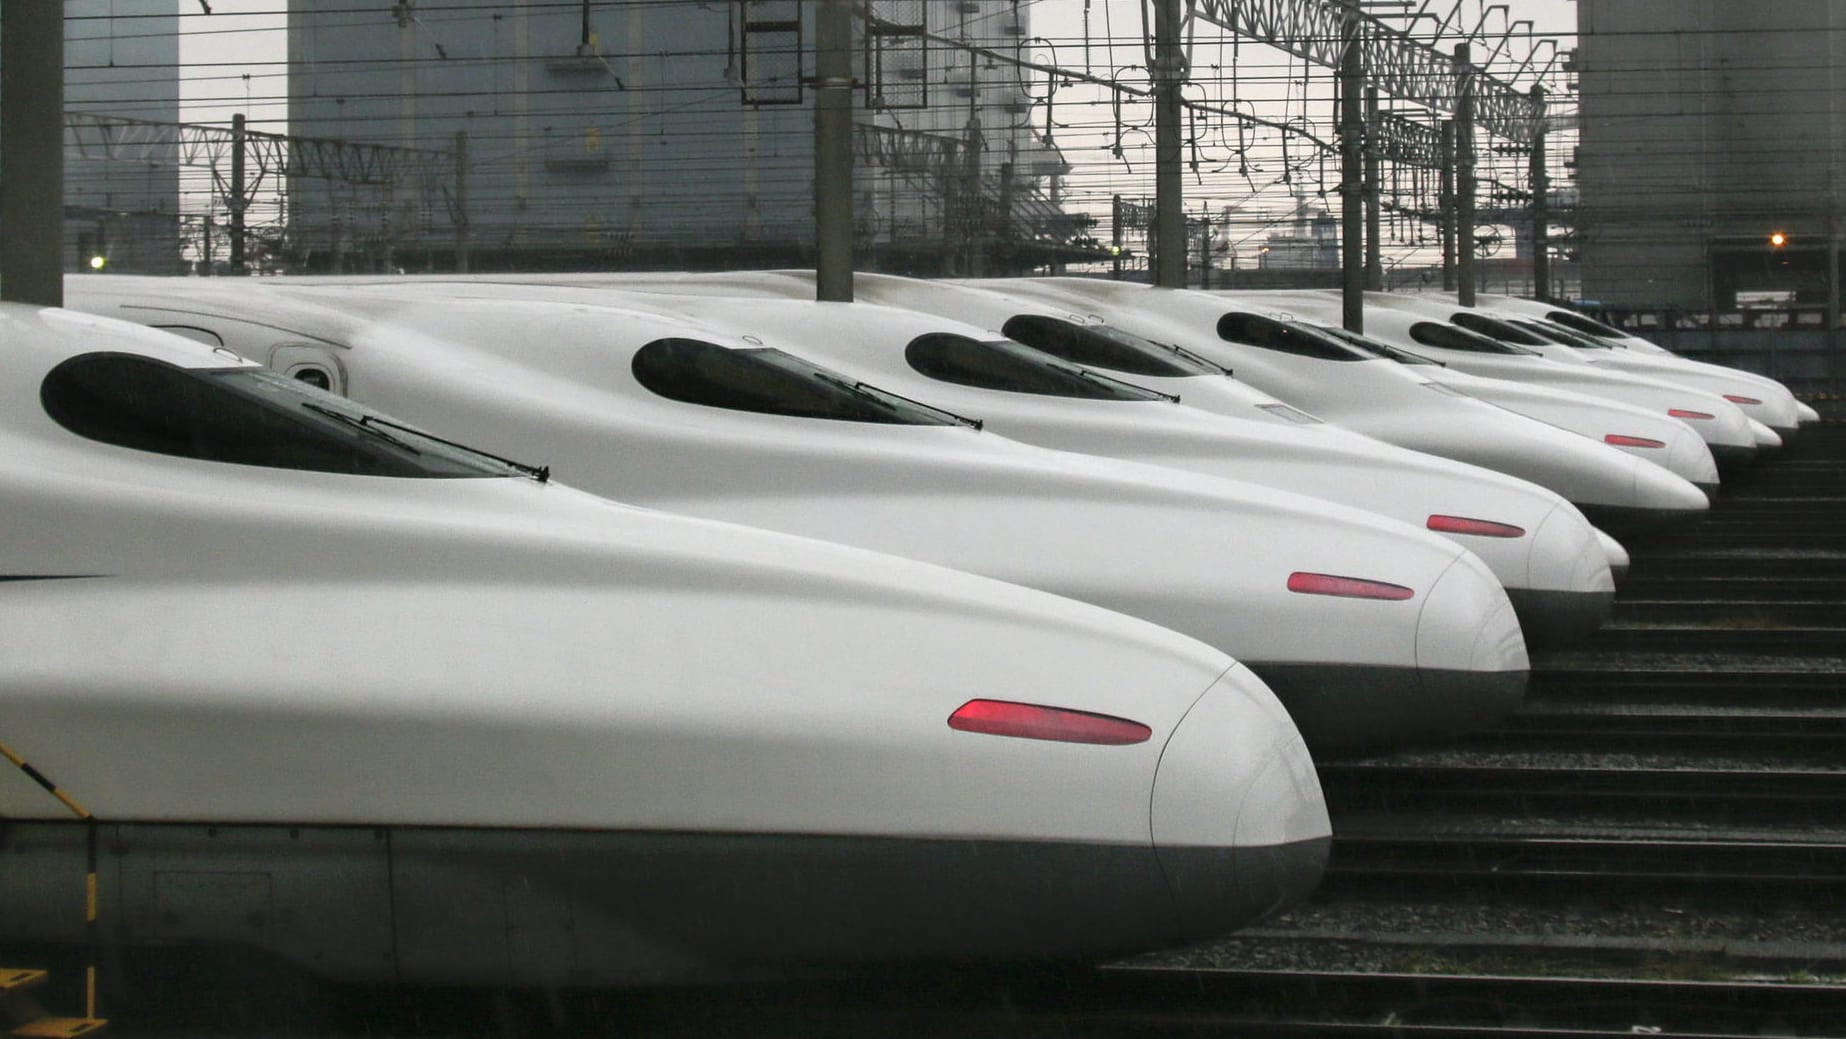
x=1103 y=347
x=1006 y=365
x=1448 y=337
x=245 y=416
x=772 y=382
x=1493 y=328
x=1285 y=337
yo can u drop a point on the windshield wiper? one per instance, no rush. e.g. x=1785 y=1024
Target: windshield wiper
x=1106 y=380
x=876 y=395
x=379 y=427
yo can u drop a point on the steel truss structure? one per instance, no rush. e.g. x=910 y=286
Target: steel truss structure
x=1402 y=67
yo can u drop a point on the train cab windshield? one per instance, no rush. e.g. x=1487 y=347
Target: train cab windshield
x=1586 y=326
x=1101 y=346
x=246 y=416
x=772 y=382
x=1003 y=364
x=1559 y=333
x=1449 y=337
x=1286 y=337
x=1384 y=350
x=1494 y=328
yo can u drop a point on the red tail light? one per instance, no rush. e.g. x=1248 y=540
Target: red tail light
x=1345 y=587
x=1033 y=722
x=1621 y=440
x=1734 y=399
x=1479 y=527
x=1683 y=413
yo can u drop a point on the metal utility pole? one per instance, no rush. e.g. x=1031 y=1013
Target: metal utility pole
x=237 y=193
x=1447 y=205
x=1352 y=174
x=833 y=217
x=1541 y=205
x=461 y=202
x=1464 y=174
x=1169 y=206
x=1374 y=221
x=32 y=154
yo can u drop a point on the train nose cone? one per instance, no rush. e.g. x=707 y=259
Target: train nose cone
x=1805 y=413
x=1471 y=652
x=1690 y=458
x=1618 y=555
x=1239 y=824
x=1663 y=493
x=1767 y=439
x=1571 y=590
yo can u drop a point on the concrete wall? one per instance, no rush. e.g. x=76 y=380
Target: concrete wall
x=1706 y=124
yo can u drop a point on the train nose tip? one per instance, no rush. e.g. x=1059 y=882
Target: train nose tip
x=1238 y=835
x=1658 y=491
x=1617 y=553
x=1471 y=651
x=1572 y=588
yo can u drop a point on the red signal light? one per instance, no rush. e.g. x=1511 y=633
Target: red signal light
x=1036 y=722
x=1346 y=587
x=1623 y=440
x=1478 y=527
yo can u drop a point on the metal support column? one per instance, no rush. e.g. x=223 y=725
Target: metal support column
x=1374 y=219
x=833 y=221
x=1447 y=206
x=1169 y=243
x=1541 y=204
x=1352 y=173
x=32 y=154
x=462 y=228
x=1464 y=175
x=236 y=201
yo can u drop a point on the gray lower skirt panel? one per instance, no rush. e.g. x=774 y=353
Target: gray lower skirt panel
x=1554 y=618
x=519 y=907
x=1341 y=707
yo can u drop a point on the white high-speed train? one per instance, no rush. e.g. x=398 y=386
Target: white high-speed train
x=1368 y=630
x=1537 y=544
x=1379 y=398
x=326 y=688
x=1527 y=355
x=1650 y=435
x=1761 y=397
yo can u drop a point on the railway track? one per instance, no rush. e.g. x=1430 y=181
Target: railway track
x=1667 y=813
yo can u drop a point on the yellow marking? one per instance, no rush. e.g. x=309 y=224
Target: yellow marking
x=17 y=977
x=89 y=897
x=58 y=1028
x=70 y=803
x=89 y=992
x=39 y=777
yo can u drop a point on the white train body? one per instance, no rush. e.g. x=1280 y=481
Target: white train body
x=1730 y=434
x=1763 y=398
x=1210 y=558
x=1645 y=433
x=489 y=729
x=1385 y=400
x=1549 y=566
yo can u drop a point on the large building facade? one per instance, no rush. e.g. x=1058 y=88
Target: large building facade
x=1707 y=128
x=648 y=133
